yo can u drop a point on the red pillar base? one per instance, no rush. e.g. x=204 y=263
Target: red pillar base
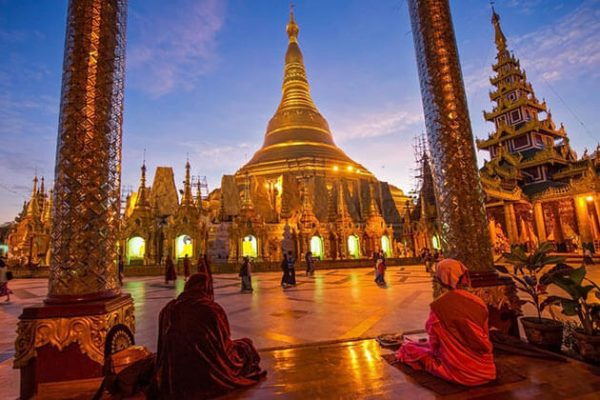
x=66 y=342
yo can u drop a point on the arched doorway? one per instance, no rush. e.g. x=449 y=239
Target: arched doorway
x=386 y=246
x=353 y=246
x=249 y=246
x=316 y=247
x=136 y=250
x=435 y=242
x=184 y=246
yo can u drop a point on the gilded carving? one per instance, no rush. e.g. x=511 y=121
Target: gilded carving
x=87 y=180
x=89 y=332
x=459 y=193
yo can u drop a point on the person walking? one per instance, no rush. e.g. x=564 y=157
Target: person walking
x=285 y=278
x=291 y=269
x=310 y=264
x=5 y=276
x=246 y=275
x=186 y=267
x=170 y=274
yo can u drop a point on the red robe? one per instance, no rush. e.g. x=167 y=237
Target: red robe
x=459 y=349
x=197 y=358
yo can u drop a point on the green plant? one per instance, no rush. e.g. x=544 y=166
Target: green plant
x=531 y=273
x=579 y=288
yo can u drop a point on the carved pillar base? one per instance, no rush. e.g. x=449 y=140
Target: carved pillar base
x=66 y=342
x=500 y=295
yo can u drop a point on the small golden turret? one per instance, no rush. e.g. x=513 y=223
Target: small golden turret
x=141 y=200
x=187 y=199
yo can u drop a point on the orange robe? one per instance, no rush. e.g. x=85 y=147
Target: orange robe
x=459 y=349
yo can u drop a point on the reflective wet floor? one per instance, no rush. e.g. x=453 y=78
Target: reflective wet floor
x=288 y=325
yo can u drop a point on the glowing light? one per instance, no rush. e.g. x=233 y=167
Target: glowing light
x=349 y=168
x=336 y=168
x=590 y=199
x=249 y=247
x=184 y=246
x=316 y=247
x=136 y=248
x=353 y=246
x=386 y=246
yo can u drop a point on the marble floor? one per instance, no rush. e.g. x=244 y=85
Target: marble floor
x=335 y=305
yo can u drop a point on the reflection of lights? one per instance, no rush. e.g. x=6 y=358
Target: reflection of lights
x=590 y=199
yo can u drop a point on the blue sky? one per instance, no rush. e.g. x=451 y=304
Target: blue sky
x=204 y=77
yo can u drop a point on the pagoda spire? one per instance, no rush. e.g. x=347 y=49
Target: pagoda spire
x=500 y=38
x=187 y=199
x=33 y=204
x=247 y=204
x=199 y=195
x=142 y=201
x=373 y=207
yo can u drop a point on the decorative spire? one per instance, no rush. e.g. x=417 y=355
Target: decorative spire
x=141 y=201
x=500 y=38
x=247 y=204
x=187 y=199
x=47 y=213
x=42 y=188
x=292 y=28
x=34 y=190
x=373 y=207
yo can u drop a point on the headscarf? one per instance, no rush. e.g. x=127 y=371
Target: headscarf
x=449 y=272
x=199 y=286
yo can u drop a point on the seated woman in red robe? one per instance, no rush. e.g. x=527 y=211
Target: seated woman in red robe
x=459 y=349
x=196 y=358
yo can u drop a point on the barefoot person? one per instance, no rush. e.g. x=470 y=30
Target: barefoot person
x=197 y=359
x=459 y=349
x=246 y=275
x=170 y=274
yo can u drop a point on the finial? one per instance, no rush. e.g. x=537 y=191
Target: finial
x=292 y=28
x=500 y=38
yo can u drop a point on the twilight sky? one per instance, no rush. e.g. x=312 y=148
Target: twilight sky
x=204 y=77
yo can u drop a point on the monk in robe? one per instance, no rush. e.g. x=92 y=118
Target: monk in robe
x=197 y=358
x=459 y=348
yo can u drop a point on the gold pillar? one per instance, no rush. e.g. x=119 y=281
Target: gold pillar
x=84 y=301
x=583 y=221
x=511 y=223
x=458 y=188
x=540 y=225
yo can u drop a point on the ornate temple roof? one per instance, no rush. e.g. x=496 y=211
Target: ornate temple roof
x=297 y=136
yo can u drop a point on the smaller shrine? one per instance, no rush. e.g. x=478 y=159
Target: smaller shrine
x=537 y=189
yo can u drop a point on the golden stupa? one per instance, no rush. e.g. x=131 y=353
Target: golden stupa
x=298 y=136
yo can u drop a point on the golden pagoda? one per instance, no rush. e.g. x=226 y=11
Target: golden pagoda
x=298 y=193
x=298 y=136
x=536 y=187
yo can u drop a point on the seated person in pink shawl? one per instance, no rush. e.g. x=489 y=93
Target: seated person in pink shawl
x=459 y=349
x=197 y=359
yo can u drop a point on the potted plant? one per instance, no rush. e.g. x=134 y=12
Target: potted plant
x=531 y=274
x=578 y=304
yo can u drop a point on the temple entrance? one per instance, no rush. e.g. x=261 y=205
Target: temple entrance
x=386 y=246
x=316 y=247
x=184 y=246
x=136 y=249
x=353 y=246
x=250 y=246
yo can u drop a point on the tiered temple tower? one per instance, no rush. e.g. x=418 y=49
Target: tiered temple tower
x=536 y=187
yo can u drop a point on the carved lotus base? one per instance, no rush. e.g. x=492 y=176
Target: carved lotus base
x=67 y=342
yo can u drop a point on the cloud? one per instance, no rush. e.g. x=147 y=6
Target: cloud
x=378 y=123
x=567 y=49
x=176 y=47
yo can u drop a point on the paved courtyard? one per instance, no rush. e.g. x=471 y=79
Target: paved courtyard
x=335 y=305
